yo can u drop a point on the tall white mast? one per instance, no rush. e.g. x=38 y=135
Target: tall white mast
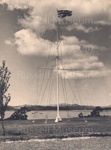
x=57 y=64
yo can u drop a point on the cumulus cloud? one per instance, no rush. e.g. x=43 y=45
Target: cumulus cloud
x=42 y=16
x=29 y=44
x=83 y=8
x=46 y=10
x=81 y=27
x=18 y=4
x=78 y=64
x=83 y=66
x=8 y=42
x=37 y=24
x=84 y=74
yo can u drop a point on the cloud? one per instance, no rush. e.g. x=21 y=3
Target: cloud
x=18 y=4
x=78 y=64
x=80 y=7
x=42 y=17
x=83 y=66
x=29 y=44
x=46 y=10
x=8 y=42
x=37 y=24
x=81 y=27
x=43 y=14
x=84 y=74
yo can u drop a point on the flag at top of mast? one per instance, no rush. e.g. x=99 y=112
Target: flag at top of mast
x=64 y=13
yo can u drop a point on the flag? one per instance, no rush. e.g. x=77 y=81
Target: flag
x=64 y=13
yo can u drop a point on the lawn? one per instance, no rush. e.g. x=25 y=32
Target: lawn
x=29 y=129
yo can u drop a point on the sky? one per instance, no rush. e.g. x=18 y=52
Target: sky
x=28 y=40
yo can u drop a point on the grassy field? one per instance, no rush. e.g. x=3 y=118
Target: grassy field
x=37 y=129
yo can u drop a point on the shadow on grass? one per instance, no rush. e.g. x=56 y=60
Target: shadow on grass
x=11 y=133
x=13 y=136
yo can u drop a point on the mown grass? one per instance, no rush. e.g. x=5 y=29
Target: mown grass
x=76 y=127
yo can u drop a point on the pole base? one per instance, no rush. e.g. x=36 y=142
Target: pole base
x=58 y=119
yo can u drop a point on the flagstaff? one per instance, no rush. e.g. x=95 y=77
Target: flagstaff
x=60 y=14
x=57 y=64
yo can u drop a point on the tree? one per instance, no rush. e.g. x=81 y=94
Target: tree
x=4 y=85
x=19 y=114
x=96 y=112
